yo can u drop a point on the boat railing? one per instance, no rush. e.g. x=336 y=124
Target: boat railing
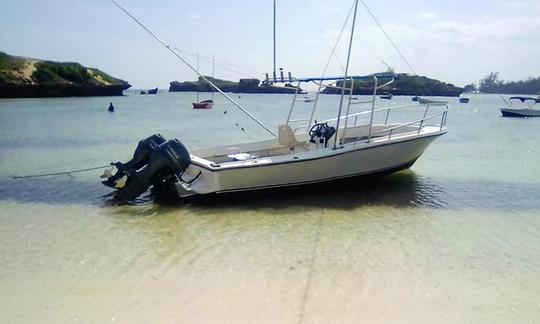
x=346 y=87
x=422 y=121
x=388 y=110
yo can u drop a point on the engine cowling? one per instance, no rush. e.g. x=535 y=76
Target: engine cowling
x=141 y=156
x=166 y=159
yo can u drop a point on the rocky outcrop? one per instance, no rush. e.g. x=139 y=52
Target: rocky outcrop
x=243 y=86
x=26 y=78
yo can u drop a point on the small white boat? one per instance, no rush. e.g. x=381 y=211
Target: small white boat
x=302 y=151
x=528 y=111
x=425 y=101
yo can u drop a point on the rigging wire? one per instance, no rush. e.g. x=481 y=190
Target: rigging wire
x=396 y=48
x=61 y=173
x=388 y=37
x=332 y=54
x=170 y=49
x=369 y=47
x=225 y=65
x=322 y=33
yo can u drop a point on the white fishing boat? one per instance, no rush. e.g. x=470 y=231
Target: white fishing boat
x=299 y=152
x=425 y=101
x=528 y=111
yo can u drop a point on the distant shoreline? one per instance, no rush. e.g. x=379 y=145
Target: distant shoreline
x=22 y=77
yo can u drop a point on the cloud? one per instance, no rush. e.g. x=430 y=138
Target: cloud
x=509 y=28
x=194 y=15
x=427 y=15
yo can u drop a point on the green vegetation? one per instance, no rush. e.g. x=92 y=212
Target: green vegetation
x=492 y=84
x=21 y=77
x=8 y=65
x=53 y=72
x=243 y=86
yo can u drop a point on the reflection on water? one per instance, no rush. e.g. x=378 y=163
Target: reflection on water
x=404 y=189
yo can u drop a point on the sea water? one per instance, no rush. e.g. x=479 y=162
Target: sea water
x=455 y=239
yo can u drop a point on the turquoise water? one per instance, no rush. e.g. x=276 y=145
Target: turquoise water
x=456 y=239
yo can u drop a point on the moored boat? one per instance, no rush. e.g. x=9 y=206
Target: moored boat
x=425 y=101
x=367 y=142
x=205 y=104
x=527 y=111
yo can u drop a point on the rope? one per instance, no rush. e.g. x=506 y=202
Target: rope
x=225 y=65
x=388 y=36
x=60 y=173
x=311 y=267
x=332 y=48
x=373 y=52
x=392 y=43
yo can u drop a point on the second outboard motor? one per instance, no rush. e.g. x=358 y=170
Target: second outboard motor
x=141 y=156
x=171 y=157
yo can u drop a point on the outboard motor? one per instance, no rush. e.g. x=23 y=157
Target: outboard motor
x=169 y=158
x=141 y=156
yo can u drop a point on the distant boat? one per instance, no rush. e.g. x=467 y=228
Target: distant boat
x=424 y=101
x=464 y=100
x=153 y=91
x=386 y=96
x=522 y=112
x=205 y=104
x=143 y=92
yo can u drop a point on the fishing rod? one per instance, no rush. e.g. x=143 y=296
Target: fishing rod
x=167 y=46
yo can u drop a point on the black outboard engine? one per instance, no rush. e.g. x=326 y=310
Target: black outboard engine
x=141 y=156
x=166 y=159
x=320 y=133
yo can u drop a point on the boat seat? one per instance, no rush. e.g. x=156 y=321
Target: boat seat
x=286 y=137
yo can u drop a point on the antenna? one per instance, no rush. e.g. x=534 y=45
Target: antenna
x=274 y=39
x=237 y=105
x=344 y=85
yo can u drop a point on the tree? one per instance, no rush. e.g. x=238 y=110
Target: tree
x=470 y=88
x=490 y=83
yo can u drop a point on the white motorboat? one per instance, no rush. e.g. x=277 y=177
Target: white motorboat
x=425 y=101
x=302 y=151
x=527 y=111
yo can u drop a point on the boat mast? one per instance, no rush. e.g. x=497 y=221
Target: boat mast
x=274 y=40
x=198 y=100
x=162 y=42
x=213 y=71
x=344 y=84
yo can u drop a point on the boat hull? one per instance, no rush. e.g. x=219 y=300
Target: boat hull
x=508 y=112
x=203 y=105
x=348 y=162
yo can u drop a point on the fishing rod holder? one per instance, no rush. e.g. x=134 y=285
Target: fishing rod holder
x=278 y=79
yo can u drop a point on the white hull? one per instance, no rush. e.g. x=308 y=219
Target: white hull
x=324 y=164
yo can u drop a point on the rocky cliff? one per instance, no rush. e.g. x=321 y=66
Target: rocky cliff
x=243 y=86
x=24 y=78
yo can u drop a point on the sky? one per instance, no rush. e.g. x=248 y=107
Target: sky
x=454 y=41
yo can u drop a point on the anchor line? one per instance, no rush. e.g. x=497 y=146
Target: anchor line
x=61 y=173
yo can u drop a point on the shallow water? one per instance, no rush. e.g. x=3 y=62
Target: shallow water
x=456 y=239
